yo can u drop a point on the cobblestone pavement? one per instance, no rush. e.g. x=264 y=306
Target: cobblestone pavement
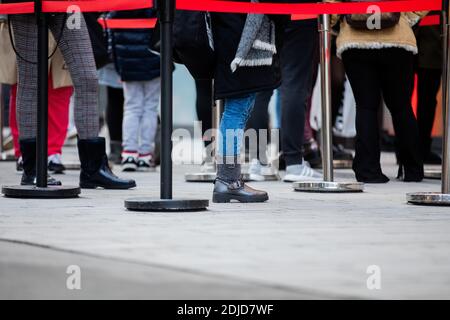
x=295 y=246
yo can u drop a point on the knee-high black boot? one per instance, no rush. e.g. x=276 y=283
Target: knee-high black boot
x=95 y=171
x=28 y=150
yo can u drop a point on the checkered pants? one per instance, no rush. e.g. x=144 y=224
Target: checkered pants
x=75 y=46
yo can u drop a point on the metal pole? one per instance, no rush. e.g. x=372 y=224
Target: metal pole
x=42 y=97
x=167 y=10
x=327 y=185
x=2 y=122
x=446 y=103
x=325 y=69
x=442 y=198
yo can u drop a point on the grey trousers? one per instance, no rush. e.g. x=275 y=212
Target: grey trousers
x=140 y=118
x=75 y=46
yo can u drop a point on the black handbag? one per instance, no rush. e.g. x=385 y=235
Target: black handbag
x=360 y=21
x=193 y=43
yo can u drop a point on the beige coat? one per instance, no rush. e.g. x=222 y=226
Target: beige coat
x=399 y=36
x=8 y=63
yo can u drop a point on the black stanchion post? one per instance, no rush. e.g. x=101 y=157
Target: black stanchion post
x=42 y=98
x=41 y=190
x=166 y=11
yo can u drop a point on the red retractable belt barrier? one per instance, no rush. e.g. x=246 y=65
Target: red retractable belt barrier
x=230 y=6
x=307 y=8
x=128 y=23
x=430 y=21
x=300 y=11
x=84 y=6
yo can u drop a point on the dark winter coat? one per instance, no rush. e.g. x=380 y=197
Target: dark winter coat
x=227 y=30
x=130 y=48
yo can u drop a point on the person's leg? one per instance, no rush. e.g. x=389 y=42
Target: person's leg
x=397 y=77
x=228 y=185
x=363 y=73
x=295 y=91
x=114 y=120
x=203 y=104
x=296 y=88
x=134 y=96
x=149 y=124
x=25 y=35
x=76 y=48
x=429 y=81
x=259 y=121
x=13 y=121
x=58 y=121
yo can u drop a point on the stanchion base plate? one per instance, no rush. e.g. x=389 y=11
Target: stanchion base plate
x=328 y=187
x=342 y=164
x=7 y=157
x=428 y=199
x=165 y=205
x=200 y=177
x=32 y=192
x=435 y=174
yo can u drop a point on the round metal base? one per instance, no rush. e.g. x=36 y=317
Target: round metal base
x=328 y=187
x=200 y=177
x=435 y=174
x=271 y=177
x=33 y=192
x=342 y=164
x=428 y=199
x=165 y=205
x=75 y=166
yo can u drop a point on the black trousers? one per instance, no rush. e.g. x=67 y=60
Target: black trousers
x=114 y=113
x=204 y=104
x=429 y=81
x=259 y=121
x=388 y=73
x=299 y=57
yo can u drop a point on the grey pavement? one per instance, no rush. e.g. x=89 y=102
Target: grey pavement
x=295 y=246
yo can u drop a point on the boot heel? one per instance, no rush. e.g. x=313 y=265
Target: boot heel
x=221 y=198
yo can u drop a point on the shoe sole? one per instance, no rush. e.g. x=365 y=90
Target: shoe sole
x=303 y=179
x=226 y=198
x=95 y=186
x=129 y=168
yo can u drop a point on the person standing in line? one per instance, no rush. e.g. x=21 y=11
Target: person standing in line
x=139 y=69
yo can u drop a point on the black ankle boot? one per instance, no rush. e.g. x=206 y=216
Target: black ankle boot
x=95 y=171
x=225 y=191
x=229 y=185
x=28 y=150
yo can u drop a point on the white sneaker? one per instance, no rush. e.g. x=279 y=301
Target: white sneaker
x=301 y=172
x=254 y=171
x=258 y=172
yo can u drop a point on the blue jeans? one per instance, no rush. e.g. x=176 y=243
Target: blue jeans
x=234 y=119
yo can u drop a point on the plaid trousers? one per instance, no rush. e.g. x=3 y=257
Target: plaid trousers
x=76 y=48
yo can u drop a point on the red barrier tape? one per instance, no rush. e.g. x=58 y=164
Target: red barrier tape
x=231 y=6
x=84 y=6
x=128 y=23
x=307 y=8
x=430 y=21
